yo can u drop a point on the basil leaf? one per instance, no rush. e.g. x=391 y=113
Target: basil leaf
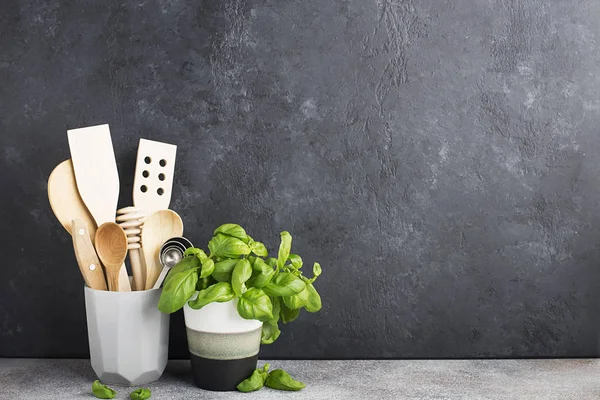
x=270 y=332
x=140 y=394
x=284 y=284
x=177 y=290
x=191 y=251
x=296 y=261
x=261 y=273
x=284 y=248
x=272 y=262
x=255 y=304
x=276 y=302
x=259 y=249
x=313 y=300
x=223 y=270
x=296 y=301
x=317 y=269
x=232 y=230
x=102 y=391
x=208 y=267
x=254 y=382
x=203 y=283
x=288 y=314
x=219 y=292
x=241 y=273
x=281 y=380
x=227 y=246
x=190 y=262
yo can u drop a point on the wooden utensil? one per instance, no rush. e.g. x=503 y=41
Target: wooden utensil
x=96 y=176
x=111 y=245
x=153 y=180
x=65 y=200
x=131 y=220
x=68 y=206
x=158 y=228
x=88 y=262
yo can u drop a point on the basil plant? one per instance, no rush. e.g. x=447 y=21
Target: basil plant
x=268 y=289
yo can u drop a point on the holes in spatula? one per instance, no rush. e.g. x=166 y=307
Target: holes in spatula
x=161 y=177
x=145 y=174
x=162 y=163
x=160 y=191
x=147 y=160
x=144 y=189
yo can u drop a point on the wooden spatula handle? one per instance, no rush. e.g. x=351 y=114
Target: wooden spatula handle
x=88 y=261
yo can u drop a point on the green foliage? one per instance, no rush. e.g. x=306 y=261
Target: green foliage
x=267 y=289
x=102 y=391
x=140 y=394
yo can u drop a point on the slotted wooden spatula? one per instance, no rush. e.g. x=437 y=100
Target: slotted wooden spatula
x=97 y=177
x=153 y=181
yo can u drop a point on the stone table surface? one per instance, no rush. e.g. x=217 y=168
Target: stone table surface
x=577 y=379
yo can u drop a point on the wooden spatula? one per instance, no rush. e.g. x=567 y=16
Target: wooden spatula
x=153 y=181
x=97 y=177
x=65 y=200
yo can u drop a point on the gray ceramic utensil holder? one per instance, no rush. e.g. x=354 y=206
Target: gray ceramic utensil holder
x=128 y=336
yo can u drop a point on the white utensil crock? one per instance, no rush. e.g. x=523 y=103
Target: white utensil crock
x=128 y=336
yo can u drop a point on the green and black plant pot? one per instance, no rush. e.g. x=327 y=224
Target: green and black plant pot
x=223 y=346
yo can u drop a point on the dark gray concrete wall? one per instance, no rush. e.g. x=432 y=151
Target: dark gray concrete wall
x=439 y=158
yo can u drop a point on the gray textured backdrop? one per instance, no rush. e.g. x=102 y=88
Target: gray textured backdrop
x=439 y=158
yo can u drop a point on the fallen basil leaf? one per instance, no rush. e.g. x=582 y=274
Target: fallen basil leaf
x=241 y=273
x=140 y=394
x=102 y=391
x=255 y=304
x=253 y=383
x=219 y=292
x=284 y=248
x=281 y=380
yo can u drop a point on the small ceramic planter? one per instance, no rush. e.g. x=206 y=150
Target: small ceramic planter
x=128 y=336
x=223 y=346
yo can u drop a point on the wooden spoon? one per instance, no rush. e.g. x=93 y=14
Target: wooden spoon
x=157 y=229
x=111 y=246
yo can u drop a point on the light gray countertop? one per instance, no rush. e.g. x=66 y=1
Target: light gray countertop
x=409 y=379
